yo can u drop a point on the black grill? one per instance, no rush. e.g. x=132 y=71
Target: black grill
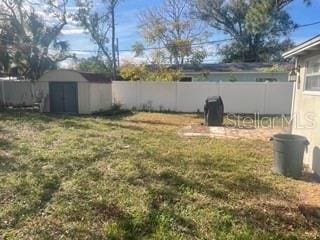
x=214 y=111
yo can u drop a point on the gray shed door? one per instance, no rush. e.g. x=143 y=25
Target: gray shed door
x=63 y=97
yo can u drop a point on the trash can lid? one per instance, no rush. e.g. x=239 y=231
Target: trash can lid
x=288 y=137
x=213 y=99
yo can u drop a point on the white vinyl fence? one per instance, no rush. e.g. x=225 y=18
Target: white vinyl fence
x=16 y=93
x=244 y=97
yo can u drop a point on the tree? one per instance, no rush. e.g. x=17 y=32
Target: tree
x=92 y=64
x=164 y=73
x=172 y=26
x=100 y=23
x=135 y=72
x=255 y=26
x=32 y=45
x=138 y=49
x=5 y=58
x=284 y=3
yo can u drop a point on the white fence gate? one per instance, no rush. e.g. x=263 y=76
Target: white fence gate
x=244 y=97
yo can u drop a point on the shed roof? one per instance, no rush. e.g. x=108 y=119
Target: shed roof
x=96 y=77
x=310 y=45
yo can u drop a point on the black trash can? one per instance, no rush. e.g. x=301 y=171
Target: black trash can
x=288 y=152
x=214 y=111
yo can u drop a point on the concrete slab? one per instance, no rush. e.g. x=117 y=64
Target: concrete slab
x=231 y=132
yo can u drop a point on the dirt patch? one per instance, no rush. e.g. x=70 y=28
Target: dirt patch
x=309 y=196
x=231 y=132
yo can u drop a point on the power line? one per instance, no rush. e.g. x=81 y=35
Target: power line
x=162 y=47
x=157 y=48
x=195 y=44
x=130 y=50
x=308 y=24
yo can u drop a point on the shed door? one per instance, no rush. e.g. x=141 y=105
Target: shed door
x=63 y=97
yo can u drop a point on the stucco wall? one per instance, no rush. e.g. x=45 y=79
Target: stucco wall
x=239 y=77
x=306 y=117
x=100 y=97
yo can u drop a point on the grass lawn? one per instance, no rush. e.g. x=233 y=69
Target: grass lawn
x=134 y=177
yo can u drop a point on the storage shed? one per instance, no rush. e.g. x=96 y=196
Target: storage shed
x=69 y=91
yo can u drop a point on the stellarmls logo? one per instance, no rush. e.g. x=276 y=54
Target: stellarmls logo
x=257 y=120
x=305 y=121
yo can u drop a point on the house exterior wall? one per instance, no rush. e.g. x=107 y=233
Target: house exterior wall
x=238 y=76
x=100 y=97
x=306 y=116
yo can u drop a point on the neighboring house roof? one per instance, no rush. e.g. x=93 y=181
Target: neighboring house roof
x=233 y=67
x=312 y=44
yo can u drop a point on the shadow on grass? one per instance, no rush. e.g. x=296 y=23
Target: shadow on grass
x=153 y=122
x=277 y=218
x=4 y=143
x=250 y=185
x=49 y=186
x=262 y=215
x=28 y=116
x=7 y=163
x=115 y=115
x=31 y=116
x=132 y=228
x=68 y=121
x=88 y=125
x=161 y=212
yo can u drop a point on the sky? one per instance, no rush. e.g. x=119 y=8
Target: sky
x=128 y=33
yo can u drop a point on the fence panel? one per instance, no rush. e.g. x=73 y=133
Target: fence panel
x=16 y=93
x=157 y=96
x=191 y=96
x=278 y=98
x=241 y=97
x=125 y=93
x=264 y=98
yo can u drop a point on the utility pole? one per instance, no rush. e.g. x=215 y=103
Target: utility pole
x=118 y=53
x=114 y=61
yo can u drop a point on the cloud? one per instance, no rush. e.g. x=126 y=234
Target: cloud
x=129 y=57
x=73 y=31
x=81 y=53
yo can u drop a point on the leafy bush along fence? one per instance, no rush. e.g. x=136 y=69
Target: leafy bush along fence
x=263 y=98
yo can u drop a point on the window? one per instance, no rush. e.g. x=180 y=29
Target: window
x=313 y=75
x=186 y=79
